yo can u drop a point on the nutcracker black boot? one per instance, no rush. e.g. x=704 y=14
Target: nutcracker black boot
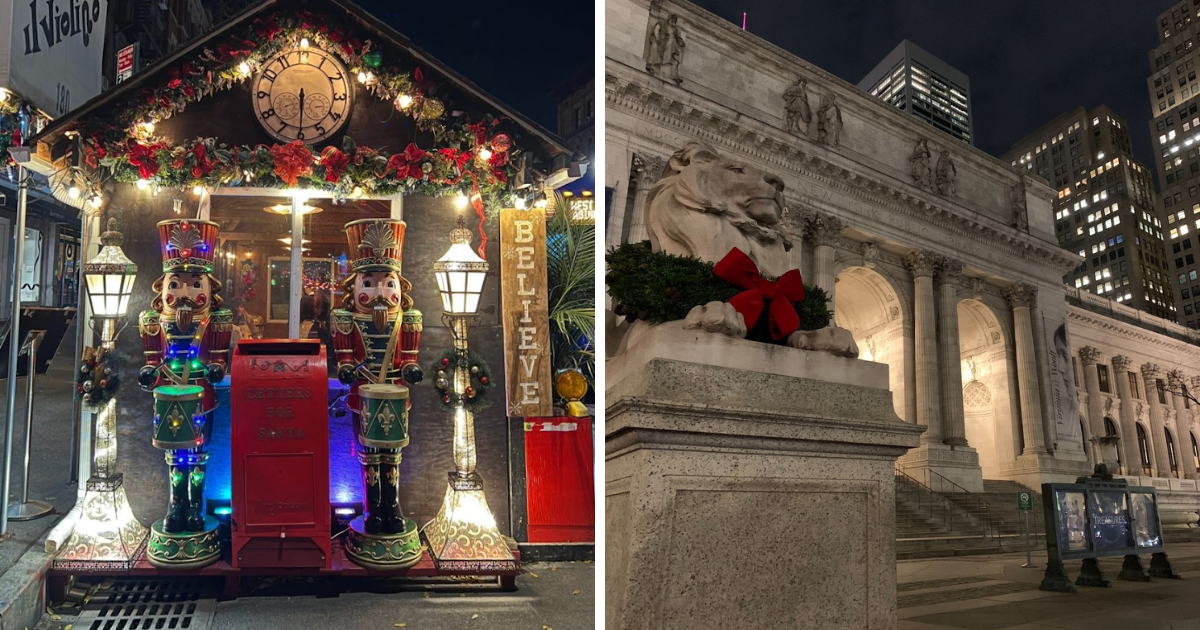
x=177 y=502
x=195 y=513
x=390 y=495
x=373 y=521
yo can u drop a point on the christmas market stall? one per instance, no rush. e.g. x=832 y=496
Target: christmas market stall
x=316 y=268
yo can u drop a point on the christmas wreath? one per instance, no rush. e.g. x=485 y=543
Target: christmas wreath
x=99 y=376
x=657 y=287
x=475 y=399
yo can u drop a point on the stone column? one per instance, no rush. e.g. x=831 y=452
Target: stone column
x=1150 y=375
x=647 y=169
x=1089 y=356
x=1120 y=366
x=949 y=274
x=925 y=346
x=1183 y=418
x=1022 y=298
x=824 y=231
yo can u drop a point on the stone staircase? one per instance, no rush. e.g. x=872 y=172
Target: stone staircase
x=932 y=524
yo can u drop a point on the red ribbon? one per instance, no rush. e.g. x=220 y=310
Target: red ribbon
x=738 y=269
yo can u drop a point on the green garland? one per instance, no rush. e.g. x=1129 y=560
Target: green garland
x=476 y=397
x=131 y=152
x=99 y=376
x=657 y=287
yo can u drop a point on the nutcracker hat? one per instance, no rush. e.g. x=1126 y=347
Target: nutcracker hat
x=375 y=244
x=187 y=245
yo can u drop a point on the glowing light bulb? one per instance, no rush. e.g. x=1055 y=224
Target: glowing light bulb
x=73 y=192
x=143 y=184
x=197 y=190
x=3 y=95
x=244 y=68
x=485 y=153
x=364 y=76
x=97 y=201
x=404 y=101
x=304 y=42
x=358 y=191
x=148 y=127
x=519 y=203
x=460 y=201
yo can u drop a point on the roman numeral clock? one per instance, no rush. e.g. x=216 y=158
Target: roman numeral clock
x=303 y=94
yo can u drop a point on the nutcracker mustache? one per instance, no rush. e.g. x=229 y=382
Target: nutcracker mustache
x=184 y=308
x=381 y=307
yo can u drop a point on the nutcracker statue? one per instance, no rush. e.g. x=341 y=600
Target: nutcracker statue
x=376 y=335
x=186 y=337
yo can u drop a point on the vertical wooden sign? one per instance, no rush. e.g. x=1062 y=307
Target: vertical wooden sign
x=525 y=315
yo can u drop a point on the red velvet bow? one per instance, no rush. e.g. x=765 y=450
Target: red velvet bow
x=737 y=269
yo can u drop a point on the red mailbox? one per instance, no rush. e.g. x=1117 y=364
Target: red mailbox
x=280 y=447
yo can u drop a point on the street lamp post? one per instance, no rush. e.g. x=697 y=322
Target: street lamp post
x=107 y=533
x=463 y=535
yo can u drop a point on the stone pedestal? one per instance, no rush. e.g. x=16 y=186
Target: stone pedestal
x=944 y=468
x=748 y=486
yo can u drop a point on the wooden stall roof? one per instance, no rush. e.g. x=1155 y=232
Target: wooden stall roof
x=552 y=148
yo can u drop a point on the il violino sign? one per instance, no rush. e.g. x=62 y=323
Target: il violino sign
x=55 y=52
x=525 y=315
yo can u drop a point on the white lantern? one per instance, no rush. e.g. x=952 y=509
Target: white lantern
x=110 y=277
x=460 y=273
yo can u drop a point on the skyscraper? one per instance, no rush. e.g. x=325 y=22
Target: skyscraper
x=1105 y=209
x=919 y=83
x=1175 y=136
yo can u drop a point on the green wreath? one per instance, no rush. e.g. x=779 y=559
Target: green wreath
x=475 y=399
x=658 y=287
x=99 y=376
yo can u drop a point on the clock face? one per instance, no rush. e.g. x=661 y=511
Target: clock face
x=302 y=95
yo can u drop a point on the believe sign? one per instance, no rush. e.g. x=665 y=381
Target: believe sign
x=524 y=312
x=55 y=52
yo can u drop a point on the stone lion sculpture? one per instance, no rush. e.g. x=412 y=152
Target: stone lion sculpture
x=705 y=205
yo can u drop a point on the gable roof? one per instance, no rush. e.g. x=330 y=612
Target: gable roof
x=552 y=146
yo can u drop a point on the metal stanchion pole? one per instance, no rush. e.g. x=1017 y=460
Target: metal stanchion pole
x=28 y=510
x=1028 y=542
x=14 y=347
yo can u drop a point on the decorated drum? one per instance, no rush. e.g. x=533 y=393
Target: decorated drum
x=383 y=415
x=178 y=416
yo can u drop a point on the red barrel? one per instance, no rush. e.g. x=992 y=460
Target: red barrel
x=280 y=448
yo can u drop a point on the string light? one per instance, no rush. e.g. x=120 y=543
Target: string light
x=3 y=95
x=485 y=153
x=404 y=101
x=73 y=192
x=143 y=184
x=147 y=127
x=365 y=77
x=197 y=190
x=244 y=68
x=358 y=191
x=304 y=42
x=519 y=202
x=460 y=201
x=97 y=201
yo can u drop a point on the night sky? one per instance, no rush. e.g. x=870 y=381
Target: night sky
x=1028 y=60
x=517 y=51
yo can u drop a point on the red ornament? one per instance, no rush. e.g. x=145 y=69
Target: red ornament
x=470 y=392
x=501 y=143
x=445 y=362
x=446 y=399
x=483 y=380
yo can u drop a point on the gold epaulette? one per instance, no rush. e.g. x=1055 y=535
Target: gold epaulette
x=343 y=321
x=221 y=321
x=412 y=321
x=149 y=323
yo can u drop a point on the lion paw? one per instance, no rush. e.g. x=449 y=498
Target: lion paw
x=834 y=340
x=716 y=317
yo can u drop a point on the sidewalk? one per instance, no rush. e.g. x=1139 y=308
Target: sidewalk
x=994 y=593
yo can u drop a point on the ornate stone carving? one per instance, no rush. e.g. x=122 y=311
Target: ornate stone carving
x=1150 y=371
x=977 y=288
x=1195 y=384
x=947 y=174
x=947 y=270
x=829 y=121
x=1175 y=380
x=1021 y=295
x=922 y=174
x=1121 y=364
x=1020 y=207
x=796 y=108
x=704 y=205
x=1108 y=405
x=1090 y=355
x=665 y=49
x=918 y=263
x=870 y=254
x=646 y=169
x=1141 y=408
x=823 y=229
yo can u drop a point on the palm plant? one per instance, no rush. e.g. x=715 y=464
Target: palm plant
x=571 y=271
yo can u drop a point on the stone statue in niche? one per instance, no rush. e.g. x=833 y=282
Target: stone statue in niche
x=922 y=174
x=947 y=174
x=666 y=49
x=977 y=288
x=797 y=109
x=870 y=253
x=1019 y=207
x=829 y=121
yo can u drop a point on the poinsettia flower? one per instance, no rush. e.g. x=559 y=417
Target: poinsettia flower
x=458 y=158
x=479 y=130
x=407 y=164
x=292 y=161
x=144 y=158
x=335 y=162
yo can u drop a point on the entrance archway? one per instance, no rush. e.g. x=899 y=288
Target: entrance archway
x=986 y=367
x=867 y=305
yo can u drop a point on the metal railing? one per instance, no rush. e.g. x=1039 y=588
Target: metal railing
x=947 y=505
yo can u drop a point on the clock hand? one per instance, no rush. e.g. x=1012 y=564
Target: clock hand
x=302 y=108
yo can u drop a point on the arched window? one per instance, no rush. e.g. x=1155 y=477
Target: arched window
x=1110 y=430
x=1172 y=460
x=1144 y=450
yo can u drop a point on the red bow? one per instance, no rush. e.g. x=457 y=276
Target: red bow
x=737 y=269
